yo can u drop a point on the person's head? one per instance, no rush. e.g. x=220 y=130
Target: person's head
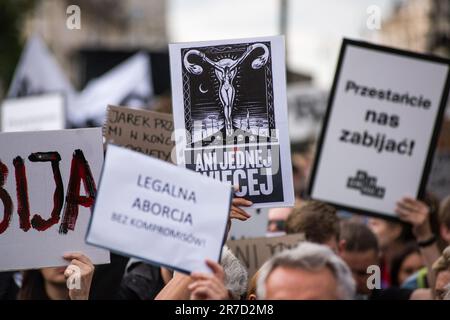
x=317 y=221
x=433 y=203
x=302 y=157
x=34 y=282
x=308 y=272
x=390 y=232
x=358 y=247
x=277 y=219
x=441 y=269
x=407 y=262
x=444 y=219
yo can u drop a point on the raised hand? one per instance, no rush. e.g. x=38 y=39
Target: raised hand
x=82 y=267
x=209 y=286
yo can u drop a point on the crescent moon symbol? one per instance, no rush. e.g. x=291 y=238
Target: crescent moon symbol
x=202 y=90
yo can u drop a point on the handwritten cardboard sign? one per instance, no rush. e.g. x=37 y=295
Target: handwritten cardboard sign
x=254 y=252
x=155 y=211
x=144 y=131
x=47 y=189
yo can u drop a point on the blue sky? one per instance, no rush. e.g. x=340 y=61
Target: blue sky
x=315 y=28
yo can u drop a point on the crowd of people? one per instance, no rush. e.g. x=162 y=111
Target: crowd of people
x=343 y=256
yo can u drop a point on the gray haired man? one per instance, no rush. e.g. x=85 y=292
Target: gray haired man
x=308 y=272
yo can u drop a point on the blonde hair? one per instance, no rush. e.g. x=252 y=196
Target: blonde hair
x=443 y=263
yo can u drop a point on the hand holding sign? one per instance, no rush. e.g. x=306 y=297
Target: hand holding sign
x=79 y=275
x=417 y=213
x=237 y=212
x=209 y=286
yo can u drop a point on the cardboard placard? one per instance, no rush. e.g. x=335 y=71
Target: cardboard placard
x=230 y=114
x=144 y=131
x=152 y=210
x=254 y=252
x=380 y=129
x=44 y=211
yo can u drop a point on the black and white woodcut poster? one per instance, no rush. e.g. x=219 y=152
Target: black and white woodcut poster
x=230 y=114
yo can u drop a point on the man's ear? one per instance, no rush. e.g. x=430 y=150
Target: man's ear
x=252 y=296
x=341 y=245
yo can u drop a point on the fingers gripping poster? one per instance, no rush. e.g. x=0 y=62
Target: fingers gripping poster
x=229 y=100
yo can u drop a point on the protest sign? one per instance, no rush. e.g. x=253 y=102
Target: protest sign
x=144 y=131
x=230 y=115
x=152 y=210
x=254 y=252
x=254 y=227
x=44 y=212
x=439 y=180
x=33 y=113
x=306 y=106
x=380 y=129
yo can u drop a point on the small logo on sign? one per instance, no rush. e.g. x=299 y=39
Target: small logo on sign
x=366 y=184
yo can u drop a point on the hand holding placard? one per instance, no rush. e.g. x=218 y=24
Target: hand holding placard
x=79 y=275
x=209 y=286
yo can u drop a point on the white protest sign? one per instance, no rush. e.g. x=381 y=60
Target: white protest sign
x=254 y=227
x=155 y=211
x=380 y=129
x=33 y=113
x=230 y=115
x=47 y=188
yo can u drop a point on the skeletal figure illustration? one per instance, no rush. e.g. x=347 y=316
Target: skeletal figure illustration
x=225 y=70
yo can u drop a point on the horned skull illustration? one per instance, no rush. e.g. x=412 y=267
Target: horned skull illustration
x=225 y=70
